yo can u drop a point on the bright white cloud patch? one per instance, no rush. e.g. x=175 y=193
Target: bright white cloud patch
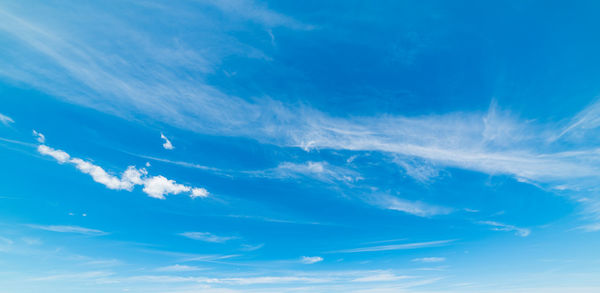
x=207 y=237
x=167 y=145
x=58 y=155
x=39 y=136
x=523 y=232
x=310 y=259
x=5 y=119
x=154 y=186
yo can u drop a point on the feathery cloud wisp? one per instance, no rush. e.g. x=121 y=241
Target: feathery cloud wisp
x=496 y=226
x=310 y=259
x=69 y=229
x=5 y=119
x=207 y=237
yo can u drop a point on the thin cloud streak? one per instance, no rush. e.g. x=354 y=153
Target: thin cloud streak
x=405 y=246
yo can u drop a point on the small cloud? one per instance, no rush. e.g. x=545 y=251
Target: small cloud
x=429 y=259
x=70 y=229
x=404 y=246
x=523 y=232
x=178 y=268
x=167 y=145
x=5 y=119
x=154 y=186
x=147 y=164
x=199 y=192
x=207 y=237
x=416 y=208
x=39 y=136
x=310 y=259
x=248 y=247
x=468 y=210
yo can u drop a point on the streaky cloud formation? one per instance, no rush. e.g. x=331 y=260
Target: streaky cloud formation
x=523 y=232
x=404 y=246
x=69 y=229
x=311 y=259
x=207 y=237
x=5 y=119
x=153 y=186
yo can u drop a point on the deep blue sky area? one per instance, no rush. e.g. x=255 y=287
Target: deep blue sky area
x=299 y=146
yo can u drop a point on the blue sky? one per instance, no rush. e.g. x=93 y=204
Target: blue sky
x=299 y=146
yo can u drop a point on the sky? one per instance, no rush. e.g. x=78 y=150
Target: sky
x=299 y=146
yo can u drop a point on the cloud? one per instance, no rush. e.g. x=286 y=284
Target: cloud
x=381 y=277
x=5 y=119
x=207 y=237
x=429 y=259
x=411 y=207
x=70 y=229
x=158 y=186
x=39 y=137
x=178 y=268
x=322 y=171
x=405 y=246
x=153 y=186
x=256 y=12
x=310 y=259
x=167 y=145
x=523 y=232
x=61 y=156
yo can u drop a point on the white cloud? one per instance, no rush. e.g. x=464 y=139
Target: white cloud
x=322 y=171
x=207 y=237
x=429 y=259
x=311 y=259
x=523 y=232
x=58 y=155
x=256 y=12
x=411 y=207
x=178 y=268
x=167 y=145
x=381 y=277
x=158 y=186
x=154 y=186
x=404 y=246
x=69 y=229
x=199 y=192
x=39 y=136
x=5 y=119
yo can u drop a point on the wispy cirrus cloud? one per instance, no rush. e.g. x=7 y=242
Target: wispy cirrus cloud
x=207 y=237
x=497 y=226
x=416 y=208
x=69 y=229
x=429 y=259
x=404 y=246
x=5 y=119
x=310 y=259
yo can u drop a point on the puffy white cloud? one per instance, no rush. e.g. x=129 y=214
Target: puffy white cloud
x=58 y=155
x=39 y=136
x=310 y=259
x=167 y=145
x=158 y=186
x=199 y=192
x=5 y=119
x=154 y=186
